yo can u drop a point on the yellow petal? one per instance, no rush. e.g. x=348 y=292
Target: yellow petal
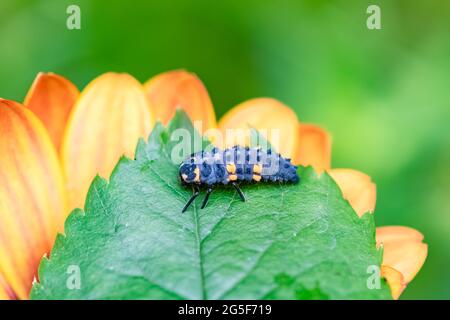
x=107 y=121
x=275 y=121
x=314 y=148
x=403 y=250
x=6 y=292
x=32 y=196
x=397 y=233
x=357 y=188
x=180 y=89
x=394 y=279
x=51 y=98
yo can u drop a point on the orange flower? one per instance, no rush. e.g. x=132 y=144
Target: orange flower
x=108 y=119
x=314 y=148
x=357 y=188
x=32 y=197
x=51 y=98
x=180 y=89
x=404 y=255
x=38 y=188
x=91 y=130
x=274 y=120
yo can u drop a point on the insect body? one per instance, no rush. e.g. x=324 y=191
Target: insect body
x=233 y=165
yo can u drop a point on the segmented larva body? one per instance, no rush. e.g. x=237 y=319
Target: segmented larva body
x=237 y=164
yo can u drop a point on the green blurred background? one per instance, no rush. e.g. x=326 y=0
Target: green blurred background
x=383 y=94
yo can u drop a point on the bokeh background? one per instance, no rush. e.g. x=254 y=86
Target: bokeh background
x=383 y=94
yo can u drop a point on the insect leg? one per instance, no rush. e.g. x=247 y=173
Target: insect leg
x=239 y=191
x=194 y=195
x=205 y=201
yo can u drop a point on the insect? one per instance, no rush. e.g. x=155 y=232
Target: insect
x=231 y=166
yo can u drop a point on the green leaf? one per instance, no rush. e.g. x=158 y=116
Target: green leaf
x=299 y=241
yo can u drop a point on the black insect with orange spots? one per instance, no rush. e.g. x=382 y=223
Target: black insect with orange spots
x=232 y=166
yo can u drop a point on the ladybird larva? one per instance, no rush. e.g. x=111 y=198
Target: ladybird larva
x=234 y=165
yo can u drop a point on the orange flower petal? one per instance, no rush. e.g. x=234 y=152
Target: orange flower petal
x=403 y=250
x=180 y=89
x=32 y=197
x=314 y=148
x=357 y=188
x=107 y=121
x=51 y=98
x=398 y=233
x=394 y=279
x=6 y=292
x=275 y=121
